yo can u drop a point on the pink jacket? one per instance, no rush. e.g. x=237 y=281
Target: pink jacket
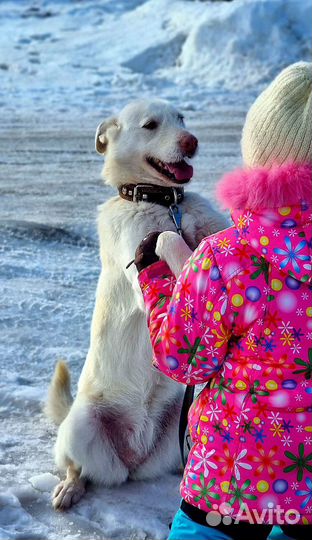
x=239 y=318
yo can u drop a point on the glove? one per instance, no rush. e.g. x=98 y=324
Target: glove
x=145 y=253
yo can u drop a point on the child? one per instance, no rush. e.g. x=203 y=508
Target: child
x=239 y=319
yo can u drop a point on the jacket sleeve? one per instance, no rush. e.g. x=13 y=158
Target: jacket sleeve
x=189 y=319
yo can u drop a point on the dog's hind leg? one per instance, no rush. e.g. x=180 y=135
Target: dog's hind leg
x=84 y=448
x=165 y=456
x=70 y=490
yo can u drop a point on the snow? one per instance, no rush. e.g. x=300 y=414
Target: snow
x=14 y=519
x=65 y=55
x=240 y=45
x=64 y=65
x=45 y=482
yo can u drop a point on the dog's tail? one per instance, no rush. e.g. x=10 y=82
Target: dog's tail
x=59 y=395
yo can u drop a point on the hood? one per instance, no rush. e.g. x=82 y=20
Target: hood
x=279 y=233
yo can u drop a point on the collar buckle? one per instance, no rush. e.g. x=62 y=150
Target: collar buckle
x=175 y=195
x=137 y=191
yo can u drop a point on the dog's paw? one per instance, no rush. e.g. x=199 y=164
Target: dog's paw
x=67 y=493
x=164 y=241
x=172 y=249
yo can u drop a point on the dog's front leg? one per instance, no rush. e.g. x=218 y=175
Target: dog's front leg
x=172 y=249
x=70 y=490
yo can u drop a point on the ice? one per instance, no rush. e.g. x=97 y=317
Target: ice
x=64 y=66
x=14 y=520
x=45 y=482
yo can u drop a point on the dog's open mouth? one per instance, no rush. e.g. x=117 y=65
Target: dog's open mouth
x=180 y=171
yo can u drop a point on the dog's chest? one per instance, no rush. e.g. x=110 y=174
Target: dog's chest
x=142 y=218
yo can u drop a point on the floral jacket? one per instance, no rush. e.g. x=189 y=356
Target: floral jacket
x=239 y=318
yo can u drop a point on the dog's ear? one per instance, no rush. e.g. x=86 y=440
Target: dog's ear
x=101 y=140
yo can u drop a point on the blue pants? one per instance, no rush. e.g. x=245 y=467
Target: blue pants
x=184 y=528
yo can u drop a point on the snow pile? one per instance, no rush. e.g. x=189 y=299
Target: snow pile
x=245 y=42
x=67 y=55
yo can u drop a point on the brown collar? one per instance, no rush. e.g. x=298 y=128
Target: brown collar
x=166 y=196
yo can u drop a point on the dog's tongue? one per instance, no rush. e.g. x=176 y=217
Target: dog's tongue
x=181 y=170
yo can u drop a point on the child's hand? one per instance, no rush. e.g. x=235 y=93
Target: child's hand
x=145 y=253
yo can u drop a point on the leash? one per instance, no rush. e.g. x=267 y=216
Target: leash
x=185 y=442
x=176 y=213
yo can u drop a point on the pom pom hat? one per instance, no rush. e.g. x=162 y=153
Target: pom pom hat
x=278 y=126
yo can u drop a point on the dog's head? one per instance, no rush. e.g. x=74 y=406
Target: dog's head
x=146 y=143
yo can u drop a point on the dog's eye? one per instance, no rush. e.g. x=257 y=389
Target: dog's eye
x=151 y=124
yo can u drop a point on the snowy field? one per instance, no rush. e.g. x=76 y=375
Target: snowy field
x=64 y=66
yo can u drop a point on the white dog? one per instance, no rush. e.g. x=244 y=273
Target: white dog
x=123 y=422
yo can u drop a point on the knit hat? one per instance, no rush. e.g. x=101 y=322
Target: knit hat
x=278 y=126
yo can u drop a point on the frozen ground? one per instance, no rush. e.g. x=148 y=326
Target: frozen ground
x=64 y=65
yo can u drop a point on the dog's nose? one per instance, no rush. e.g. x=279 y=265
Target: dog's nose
x=188 y=144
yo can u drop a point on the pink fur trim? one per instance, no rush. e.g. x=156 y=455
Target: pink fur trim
x=283 y=185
